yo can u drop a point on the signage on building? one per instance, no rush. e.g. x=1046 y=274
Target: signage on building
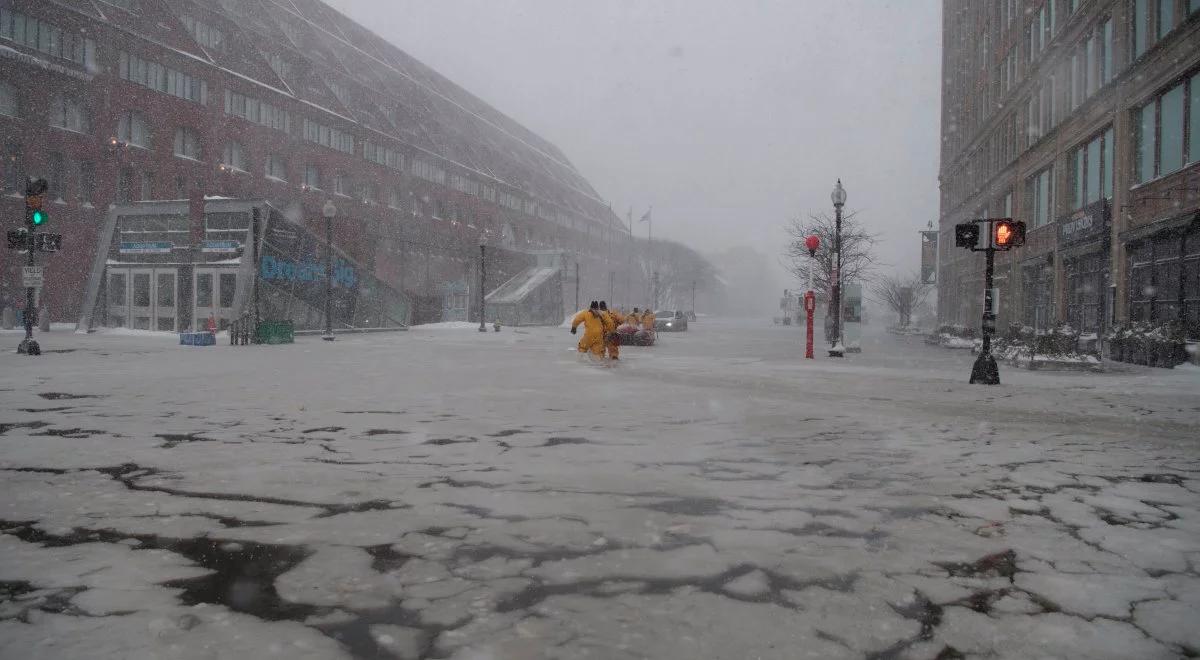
x=146 y=247
x=1089 y=223
x=929 y=248
x=220 y=246
x=17 y=55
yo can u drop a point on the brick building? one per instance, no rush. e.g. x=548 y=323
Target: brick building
x=1082 y=118
x=118 y=101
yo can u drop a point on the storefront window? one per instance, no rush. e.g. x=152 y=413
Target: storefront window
x=1085 y=291
x=1164 y=279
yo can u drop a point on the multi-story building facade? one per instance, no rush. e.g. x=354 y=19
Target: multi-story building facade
x=115 y=101
x=1082 y=118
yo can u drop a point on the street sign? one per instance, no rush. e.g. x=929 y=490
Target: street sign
x=32 y=276
x=47 y=242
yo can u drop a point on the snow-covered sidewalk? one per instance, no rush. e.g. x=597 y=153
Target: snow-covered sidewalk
x=472 y=495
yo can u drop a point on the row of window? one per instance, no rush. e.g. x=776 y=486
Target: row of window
x=381 y=155
x=257 y=111
x=327 y=136
x=161 y=78
x=1168 y=131
x=1154 y=19
x=47 y=38
x=204 y=34
x=62 y=177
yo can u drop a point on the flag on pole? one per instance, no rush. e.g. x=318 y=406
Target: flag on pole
x=646 y=216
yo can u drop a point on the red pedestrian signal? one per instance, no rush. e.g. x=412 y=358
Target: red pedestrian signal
x=1007 y=234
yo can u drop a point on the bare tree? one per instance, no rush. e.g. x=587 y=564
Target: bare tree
x=902 y=294
x=858 y=250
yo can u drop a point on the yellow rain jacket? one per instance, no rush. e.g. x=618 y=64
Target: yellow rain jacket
x=612 y=343
x=648 y=321
x=593 y=331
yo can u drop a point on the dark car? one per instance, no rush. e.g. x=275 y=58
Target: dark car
x=668 y=321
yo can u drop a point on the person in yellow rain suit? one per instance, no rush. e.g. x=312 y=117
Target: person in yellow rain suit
x=648 y=321
x=593 y=322
x=635 y=318
x=611 y=341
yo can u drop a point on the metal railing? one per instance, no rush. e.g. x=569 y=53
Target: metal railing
x=242 y=331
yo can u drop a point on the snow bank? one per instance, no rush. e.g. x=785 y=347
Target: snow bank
x=447 y=325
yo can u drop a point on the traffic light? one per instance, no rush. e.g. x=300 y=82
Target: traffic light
x=966 y=235
x=1008 y=234
x=18 y=239
x=35 y=194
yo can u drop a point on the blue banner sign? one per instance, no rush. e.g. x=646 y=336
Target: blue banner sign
x=272 y=268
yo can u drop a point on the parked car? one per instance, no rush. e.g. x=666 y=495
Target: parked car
x=670 y=321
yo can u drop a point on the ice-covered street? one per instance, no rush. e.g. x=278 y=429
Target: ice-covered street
x=443 y=493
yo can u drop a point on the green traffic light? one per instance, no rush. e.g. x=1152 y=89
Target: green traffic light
x=39 y=217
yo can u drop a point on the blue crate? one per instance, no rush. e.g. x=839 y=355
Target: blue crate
x=197 y=339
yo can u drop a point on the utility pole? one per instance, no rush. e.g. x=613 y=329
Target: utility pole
x=329 y=211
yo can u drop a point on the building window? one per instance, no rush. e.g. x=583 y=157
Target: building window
x=429 y=172
x=146 y=186
x=204 y=34
x=1040 y=193
x=1106 y=58
x=10 y=103
x=132 y=129
x=256 y=111
x=47 y=38
x=125 y=184
x=382 y=155
x=181 y=187
x=1161 y=144
x=1166 y=17
x=87 y=182
x=275 y=168
x=368 y=192
x=1164 y=279
x=14 y=170
x=312 y=176
x=69 y=114
x=341 y=184
x=279 y=65
x=161 y=78
x=1085 y=277
x=234 y=156
x=328 y=137
x=1091 y=170
x=1038 y=294
x=1141 y=27
x=56 y=178
x=396 y=198
x=187 y=144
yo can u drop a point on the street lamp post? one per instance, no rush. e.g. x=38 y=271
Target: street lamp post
x=482 y=278
x=329 y=211
x=839 y=200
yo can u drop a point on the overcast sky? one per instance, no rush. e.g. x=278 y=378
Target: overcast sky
x=729 y=117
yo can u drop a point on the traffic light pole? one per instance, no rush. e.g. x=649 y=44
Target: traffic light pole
x=28 y=346
x=985 y=371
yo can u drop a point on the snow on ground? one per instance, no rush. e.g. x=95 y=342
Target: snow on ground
x=470 y=495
